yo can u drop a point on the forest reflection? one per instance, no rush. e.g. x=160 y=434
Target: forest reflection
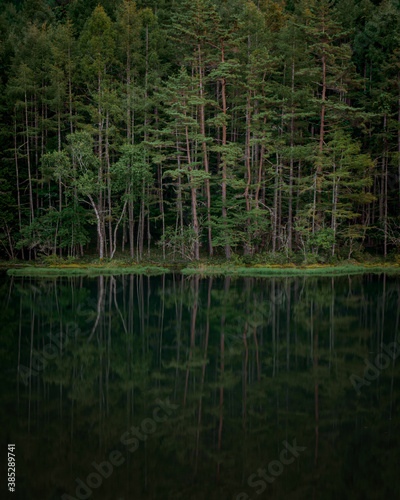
x=249 y=363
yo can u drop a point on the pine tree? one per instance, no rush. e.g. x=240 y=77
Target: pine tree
x=97 y=46
x=193 y=25
x=333 y=73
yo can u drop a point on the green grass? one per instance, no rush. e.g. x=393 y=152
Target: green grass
x=86 y=271
x=55 y=267
x=266 y=271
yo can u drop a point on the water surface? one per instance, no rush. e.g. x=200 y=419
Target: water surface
x=214 y=388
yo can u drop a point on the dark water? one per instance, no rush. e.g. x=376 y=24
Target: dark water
x=186 y=388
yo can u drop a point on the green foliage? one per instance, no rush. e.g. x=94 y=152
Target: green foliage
x=41 y=234
x=55 y=165
x=54 y=230
x=323 y=239
x=198 y=126
x=180 y=242
x=132 y=169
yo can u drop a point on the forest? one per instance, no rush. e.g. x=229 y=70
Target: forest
x=201 y=128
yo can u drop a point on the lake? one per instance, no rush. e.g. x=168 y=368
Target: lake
x=174 y=387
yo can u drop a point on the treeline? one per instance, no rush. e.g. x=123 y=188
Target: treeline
x=200 y=128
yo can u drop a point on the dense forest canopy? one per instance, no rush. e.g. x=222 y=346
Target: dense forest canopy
x=199 y=127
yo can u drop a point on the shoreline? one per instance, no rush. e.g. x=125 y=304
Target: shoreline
x=200 y=270
x=59 y=271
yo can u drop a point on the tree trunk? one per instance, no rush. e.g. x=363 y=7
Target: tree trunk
x=107 y=153
x=247 y=247
x=131 y=230
x=28 y=157
x=224 y=165
x=290 y=208
x=99 y=227
x=17 y=176
x=193 y=196
x=205 y=156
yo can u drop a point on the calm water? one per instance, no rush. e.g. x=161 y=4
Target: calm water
x=185 y=388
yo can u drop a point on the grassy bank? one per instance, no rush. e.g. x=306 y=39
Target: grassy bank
x=59 y=267
x=85 y=270
x=266 y=271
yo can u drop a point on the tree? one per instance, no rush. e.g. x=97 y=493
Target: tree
x=129 y=174
x=87 y=182
x=333 y=73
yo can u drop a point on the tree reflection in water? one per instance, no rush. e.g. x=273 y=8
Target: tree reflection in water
x=250 y=362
